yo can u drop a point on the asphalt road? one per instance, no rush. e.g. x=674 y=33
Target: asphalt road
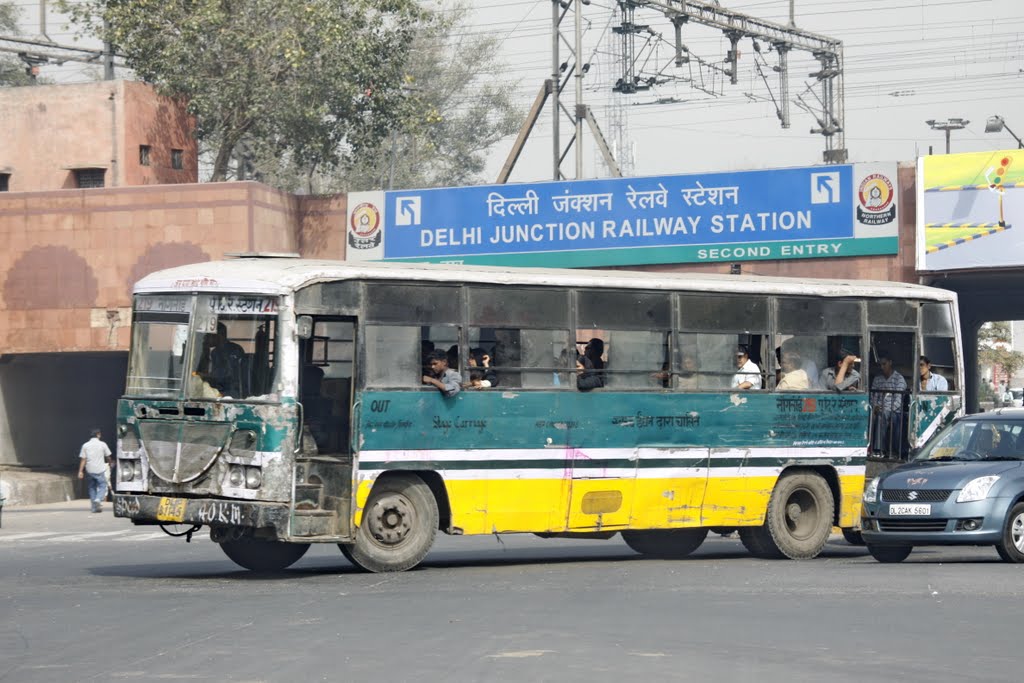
x=88 y=597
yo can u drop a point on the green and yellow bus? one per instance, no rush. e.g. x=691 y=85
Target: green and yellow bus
x=281 y=402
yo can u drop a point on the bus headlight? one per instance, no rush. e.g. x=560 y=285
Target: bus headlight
x=871 y=491
x=253 y=477
x=127 y=468
x=236 y=476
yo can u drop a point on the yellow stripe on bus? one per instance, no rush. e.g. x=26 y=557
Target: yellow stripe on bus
x=486 y=506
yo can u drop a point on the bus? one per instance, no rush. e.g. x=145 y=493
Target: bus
x=317 y=424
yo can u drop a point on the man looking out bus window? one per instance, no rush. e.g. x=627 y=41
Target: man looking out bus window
x=931 y=381
x=446 y=380
x=749 y=375
x=843 y=377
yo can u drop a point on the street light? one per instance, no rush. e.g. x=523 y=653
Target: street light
x=996 y=124
x=951 y=124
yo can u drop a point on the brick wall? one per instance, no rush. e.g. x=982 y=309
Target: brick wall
x=72 y=256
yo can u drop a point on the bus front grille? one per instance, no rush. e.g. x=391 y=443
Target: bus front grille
x=181 y=451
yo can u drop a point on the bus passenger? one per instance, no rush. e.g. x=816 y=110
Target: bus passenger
x=586 y=377
x=843 y=377
x=794 y=377
x=481 y=376
x=593 y=351
x=444 y=378
x=749 y=375
x=887 y=392
x=222 y=367
x=929 y=380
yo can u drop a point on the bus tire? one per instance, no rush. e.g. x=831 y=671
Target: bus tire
x=668 y=544
x=799 y=518
x=398 y=526
x=263 y=556
x=759 y=544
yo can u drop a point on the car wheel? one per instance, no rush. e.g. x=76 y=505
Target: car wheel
x=890 y=554
x=1011 y=547
x=853 y=537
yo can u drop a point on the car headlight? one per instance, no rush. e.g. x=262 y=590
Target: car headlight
x=236 y=476
x=871 y=491
x=977 y=489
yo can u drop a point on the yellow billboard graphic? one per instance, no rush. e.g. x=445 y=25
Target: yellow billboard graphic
x=967 y=205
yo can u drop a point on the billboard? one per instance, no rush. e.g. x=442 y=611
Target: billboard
x=789 y=213
x=967 y=207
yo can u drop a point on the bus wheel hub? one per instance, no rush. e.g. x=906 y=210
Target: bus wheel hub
x=390 y=520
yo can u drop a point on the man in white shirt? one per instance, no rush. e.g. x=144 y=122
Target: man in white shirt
x=93 y=459
x=749 y=375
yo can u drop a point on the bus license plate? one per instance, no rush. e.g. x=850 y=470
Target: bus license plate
x=910 y=510
x=171 y=510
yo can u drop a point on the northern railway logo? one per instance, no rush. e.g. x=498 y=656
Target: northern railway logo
x=876 y=203
x=364 y=227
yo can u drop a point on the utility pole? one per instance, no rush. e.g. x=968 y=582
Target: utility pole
x=951 y=124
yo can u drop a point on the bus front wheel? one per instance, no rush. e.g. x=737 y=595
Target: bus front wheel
x=798 y=521
x=667 y=544
x=263 y=556
x=398 y=525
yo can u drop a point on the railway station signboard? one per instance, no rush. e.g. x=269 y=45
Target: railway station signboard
x=787 y=213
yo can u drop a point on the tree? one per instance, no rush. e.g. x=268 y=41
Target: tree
x=994 y=348
x=12 y=71
x=461 y=111
x=453 y=112
x=319 y=80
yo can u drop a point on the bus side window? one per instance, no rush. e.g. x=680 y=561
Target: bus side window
x=938 y=342
x=524 y=331
x=624 y=334
x=403 y=321
x=811 y=331
x=710 y=329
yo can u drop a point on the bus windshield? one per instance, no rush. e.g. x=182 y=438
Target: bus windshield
x=227 y=349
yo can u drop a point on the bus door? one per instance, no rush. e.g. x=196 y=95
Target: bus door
x=323 y=490
x=892 y=371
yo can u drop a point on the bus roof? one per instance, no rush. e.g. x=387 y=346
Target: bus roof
x=284 y=275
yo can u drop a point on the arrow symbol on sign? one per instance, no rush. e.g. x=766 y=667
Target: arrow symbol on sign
x=407 y=210
x=825 y=185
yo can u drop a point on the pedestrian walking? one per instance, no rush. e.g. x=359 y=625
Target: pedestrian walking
x=94 y=460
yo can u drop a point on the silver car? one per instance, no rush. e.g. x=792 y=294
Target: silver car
x=965 y=487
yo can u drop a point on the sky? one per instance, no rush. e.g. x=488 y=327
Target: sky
x=906 y=61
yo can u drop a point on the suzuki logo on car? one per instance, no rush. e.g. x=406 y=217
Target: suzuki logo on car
x=912 y=495
x=917 y=481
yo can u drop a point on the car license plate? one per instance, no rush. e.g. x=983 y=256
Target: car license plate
x=910 y=510
x=171 y=510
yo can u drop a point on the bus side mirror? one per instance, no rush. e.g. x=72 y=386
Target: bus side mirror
x=304 y=326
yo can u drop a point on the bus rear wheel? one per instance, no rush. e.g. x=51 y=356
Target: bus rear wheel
x=398 y=527
x=263 y=556
x=667 y=544
x=798 y=522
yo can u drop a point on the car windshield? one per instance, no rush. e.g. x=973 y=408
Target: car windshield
x=977 y=440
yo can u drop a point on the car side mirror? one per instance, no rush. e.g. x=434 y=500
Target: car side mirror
x=304 y=327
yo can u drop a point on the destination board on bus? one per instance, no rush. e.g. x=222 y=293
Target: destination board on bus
x=810 y=212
